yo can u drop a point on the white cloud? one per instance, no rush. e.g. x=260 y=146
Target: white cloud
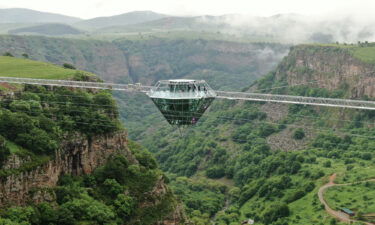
x=93 y=8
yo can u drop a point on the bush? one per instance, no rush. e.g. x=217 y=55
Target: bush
x=275 y=212
x=327 y=164
x=295 y=196
x=215 y=172
x=8 y=54
x=81 y=76
x=38 y=141
x=349 y=167
x=298 y=134
x=69 y=66
x=124 y=205
x=366 y=156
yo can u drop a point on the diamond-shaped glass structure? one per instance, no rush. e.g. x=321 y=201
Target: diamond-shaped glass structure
x=182 y=102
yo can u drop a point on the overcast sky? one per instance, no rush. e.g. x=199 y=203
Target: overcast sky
x=95 y=8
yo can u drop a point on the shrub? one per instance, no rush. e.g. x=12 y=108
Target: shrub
x=124 y=205
x=69 y=66
x=275 y=212
x=366 y=156
x=215 y=172
x=8 y=54
x=295 y=196
x=327 y=164
x=298 y=134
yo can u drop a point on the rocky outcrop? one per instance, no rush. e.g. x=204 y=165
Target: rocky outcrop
x=148 y=61
x=100 y=57
x=77 y=156
x=328 y=67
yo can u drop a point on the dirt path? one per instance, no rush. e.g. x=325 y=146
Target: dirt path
x=337 y=214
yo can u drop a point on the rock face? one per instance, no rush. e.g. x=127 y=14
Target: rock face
x=76 y=157
x=102 y=58
x=148 y=61
x=328 y=67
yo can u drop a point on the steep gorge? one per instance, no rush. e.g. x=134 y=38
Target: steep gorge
x=76 y=157
x=329 y=67
x=260 y=147
x=91 y=154
x=148 y=61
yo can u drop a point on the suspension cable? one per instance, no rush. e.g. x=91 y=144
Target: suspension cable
x=331 y=102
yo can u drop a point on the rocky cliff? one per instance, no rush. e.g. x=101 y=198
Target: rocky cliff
x=76 y=157
x=329 y=67
x=147 y=61
x=100 y=57
x=78 y=154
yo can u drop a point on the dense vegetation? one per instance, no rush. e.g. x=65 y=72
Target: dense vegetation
x=36 y=120
x=262 y=176
x=114 y=194
x=16 y=67
x=235 y=143
x=228 y=167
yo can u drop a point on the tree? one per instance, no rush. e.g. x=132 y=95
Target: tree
x=112 y=187
x=333 y=222
x=89 y=209
x=215 y=172
x=298 y=134
x=113 y=169
x=8 y=54
x=38 y=141
x=327 y=164
x=359 y=215
x=69 y=66
x=366 y=156
x=124 y=205
x=47 y=215
x=26 y=56
x=275 y=212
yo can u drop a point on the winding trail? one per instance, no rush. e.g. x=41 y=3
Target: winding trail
x=338 y=214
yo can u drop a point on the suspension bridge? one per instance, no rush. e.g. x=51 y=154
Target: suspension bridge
x=331 y=102
x=183 y=102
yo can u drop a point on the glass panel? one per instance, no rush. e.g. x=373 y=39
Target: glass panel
x=182 y=111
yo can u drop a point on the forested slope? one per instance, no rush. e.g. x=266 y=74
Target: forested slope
x=242 y=160
x=225 y=65
x=65 y=157
x=269 y=160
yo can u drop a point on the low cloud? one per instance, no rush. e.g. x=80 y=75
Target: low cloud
x=294 y=28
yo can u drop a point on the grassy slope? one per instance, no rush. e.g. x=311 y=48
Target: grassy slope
x=363 y=52
x=16 y=67
x=357 y=197
x=306 y=210
x=25 y=68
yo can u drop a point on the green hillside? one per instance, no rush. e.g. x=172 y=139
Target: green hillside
x=135 y=17
x=21 y=15
x=51 y=29
x=39 y=125
x=247 y=160
x=364 y=52
x=17 y=67
x=269 y=160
